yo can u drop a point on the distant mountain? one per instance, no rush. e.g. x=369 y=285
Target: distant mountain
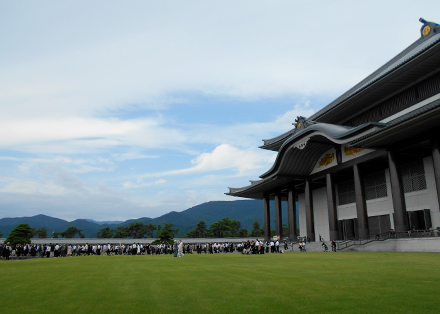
x=245 y=211
x=116 y=222
x=39 y=221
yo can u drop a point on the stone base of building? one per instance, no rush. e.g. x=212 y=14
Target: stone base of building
x=399 y=245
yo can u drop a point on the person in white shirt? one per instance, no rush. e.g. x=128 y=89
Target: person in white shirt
x=180 y=249
x=256 y=246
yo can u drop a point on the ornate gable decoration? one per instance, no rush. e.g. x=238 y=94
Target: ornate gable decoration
x=326 y=160
x=428 y=28
x=352 y=150
x=302 y=123
x=301 y=144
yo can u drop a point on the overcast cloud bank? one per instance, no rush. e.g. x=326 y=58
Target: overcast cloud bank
x=113 y=110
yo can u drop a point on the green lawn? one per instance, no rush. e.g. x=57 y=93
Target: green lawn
x=225 y=283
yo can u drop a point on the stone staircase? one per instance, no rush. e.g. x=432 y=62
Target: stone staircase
x=310 y=247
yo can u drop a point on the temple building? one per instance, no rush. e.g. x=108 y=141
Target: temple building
x=367 y=163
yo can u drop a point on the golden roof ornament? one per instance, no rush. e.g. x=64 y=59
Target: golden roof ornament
x=428 y=28
x=302 y=123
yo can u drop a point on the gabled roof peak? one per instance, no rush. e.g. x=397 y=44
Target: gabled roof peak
x=428 y=28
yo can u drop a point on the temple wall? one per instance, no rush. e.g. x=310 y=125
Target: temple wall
x=383 y=205
x=425 y=199
x=429 y=199
x=347 y=211
x=321 y=214
x=302 y=215
x=418 y=200
x=421 y=199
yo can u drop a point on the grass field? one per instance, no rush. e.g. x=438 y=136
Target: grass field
x=225 y=283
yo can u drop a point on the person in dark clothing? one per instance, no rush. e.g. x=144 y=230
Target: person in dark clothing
x=175 y=248
x=6 y=252
x=333 y=246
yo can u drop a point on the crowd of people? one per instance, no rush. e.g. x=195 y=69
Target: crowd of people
x=66 y=250
x=261 y=247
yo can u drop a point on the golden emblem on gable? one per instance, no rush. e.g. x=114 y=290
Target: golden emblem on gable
x=426 y=30
x=352 y=150
x=326 y=160
x=299 y=124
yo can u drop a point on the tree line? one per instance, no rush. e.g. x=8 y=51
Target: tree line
x=227 y=228
x=224 y=228
x=31 y=232
x=137 y=230
x=22 y=233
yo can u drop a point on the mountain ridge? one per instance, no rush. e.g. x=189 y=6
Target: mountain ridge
x=245 y=211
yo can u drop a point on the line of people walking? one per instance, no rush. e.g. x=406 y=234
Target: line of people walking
x=178 y=248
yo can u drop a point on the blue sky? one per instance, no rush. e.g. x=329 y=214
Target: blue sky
x=113 y=110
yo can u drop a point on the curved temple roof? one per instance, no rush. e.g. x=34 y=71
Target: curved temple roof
x=413 y=123
x=300 y=148
x=305 y=146
x=421 y=45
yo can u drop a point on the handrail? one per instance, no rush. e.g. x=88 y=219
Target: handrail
x=388 y=235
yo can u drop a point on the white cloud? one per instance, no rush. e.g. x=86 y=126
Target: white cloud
x=85 y=135
x=223 y=157
x=132 y=156
x=29 y=187
x=226 y=156
x=72 y=135
x=87 y=90
x=23 y=131
x=300 y=109
x=253 y=50
x=88 y=168
x=249 y=135
x=144 y=184
x=75 y=165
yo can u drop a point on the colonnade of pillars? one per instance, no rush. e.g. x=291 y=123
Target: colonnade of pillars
x=291 y=215
x=397 y=194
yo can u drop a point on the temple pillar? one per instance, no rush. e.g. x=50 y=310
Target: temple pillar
x=266 y=204
x=361 y=203
x=399 y=205
x=331 y=206
x=291 y=213
x=278 y=217
x=435 y=147
x=310 y=220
